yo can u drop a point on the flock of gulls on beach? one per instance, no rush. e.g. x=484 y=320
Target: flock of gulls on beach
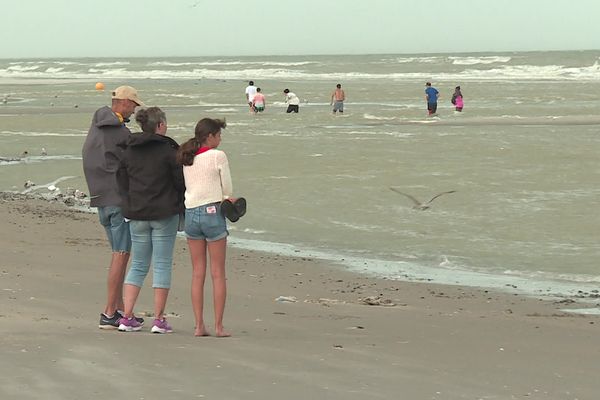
x=71 y=197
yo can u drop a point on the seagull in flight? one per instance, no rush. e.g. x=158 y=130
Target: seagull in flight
x=417 y=204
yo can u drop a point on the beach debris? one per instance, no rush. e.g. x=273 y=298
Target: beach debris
x=76 y=193
x=52 y=188
x=325 y=302
x=52 y=196
x=28 y=184
x=421 y=205
x=338 y=346
x=286 y=299
x=145 y=314
x=44 y=152
x=376 y=301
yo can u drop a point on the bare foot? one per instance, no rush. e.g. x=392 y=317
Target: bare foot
x=222 y=333
x=201 y=331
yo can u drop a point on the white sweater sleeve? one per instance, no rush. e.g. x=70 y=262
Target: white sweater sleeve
x=226 y=184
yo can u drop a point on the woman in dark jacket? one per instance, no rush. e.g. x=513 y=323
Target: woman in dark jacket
x=152 y=186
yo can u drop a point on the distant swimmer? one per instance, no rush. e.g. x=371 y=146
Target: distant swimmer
x=28 y=184
x=337 y=99
x=457 y=99
x=24 y=154
x=250 y=93
x=259 y=103
x=292 y=101
x=417 y=204
x=431 y=95
x=44 y=152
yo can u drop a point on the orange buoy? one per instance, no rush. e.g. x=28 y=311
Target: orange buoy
x=99 y=86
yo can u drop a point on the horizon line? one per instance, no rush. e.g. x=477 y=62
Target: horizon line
x=304 y=55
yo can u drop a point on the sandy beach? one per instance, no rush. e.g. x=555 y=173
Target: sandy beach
x=424 y=341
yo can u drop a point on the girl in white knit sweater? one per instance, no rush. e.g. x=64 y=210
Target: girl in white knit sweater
x=208 y=183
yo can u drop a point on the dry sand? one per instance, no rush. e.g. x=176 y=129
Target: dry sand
x=437 y=342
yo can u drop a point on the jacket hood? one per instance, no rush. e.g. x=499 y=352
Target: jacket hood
x=105 y=116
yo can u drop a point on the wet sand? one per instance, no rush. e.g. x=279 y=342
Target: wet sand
x=423 y=341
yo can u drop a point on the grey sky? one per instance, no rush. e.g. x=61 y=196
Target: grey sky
x=94 y=28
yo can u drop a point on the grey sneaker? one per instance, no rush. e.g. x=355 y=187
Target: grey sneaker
x=107 y=322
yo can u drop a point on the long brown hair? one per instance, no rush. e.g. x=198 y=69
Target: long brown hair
x=204 y=128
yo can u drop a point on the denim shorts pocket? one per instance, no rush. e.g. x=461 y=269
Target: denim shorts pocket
x=205 y=223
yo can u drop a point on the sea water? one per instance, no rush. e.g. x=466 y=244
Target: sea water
x=522 y=157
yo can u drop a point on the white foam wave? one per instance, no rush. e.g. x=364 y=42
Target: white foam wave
x=479 y=60
x=229 y=63
x=407 y=60
x=36 y=159
x=222 y=110
x=21 y=133
x=378 y=118
x=19 y=68
x=412 y=271
x=108 y=64
x=502 y=73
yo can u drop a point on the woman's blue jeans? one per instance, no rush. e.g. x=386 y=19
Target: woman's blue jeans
x=152 y=241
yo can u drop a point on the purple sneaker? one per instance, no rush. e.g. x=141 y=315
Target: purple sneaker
x=161 y=326
x=129 y=325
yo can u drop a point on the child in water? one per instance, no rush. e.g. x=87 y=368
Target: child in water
x=457 y=99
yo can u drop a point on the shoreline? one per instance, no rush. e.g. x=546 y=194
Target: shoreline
x=435 y=342
x=586 y=293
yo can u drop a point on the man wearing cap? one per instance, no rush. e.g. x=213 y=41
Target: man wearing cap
x=101 y=158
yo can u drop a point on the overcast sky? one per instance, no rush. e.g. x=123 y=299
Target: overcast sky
x=127 y=28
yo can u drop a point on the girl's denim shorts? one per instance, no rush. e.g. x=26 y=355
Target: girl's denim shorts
x=205 y=223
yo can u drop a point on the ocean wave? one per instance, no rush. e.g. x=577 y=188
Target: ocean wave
x=4 y=161
x=229 y=63
x=407 y=60
x=23 y=133
x=108 y=64
x=379 y=118
x=553 y=286
x=20 y=68
x=479 y=60
x=500 y=73
x=221 y=110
